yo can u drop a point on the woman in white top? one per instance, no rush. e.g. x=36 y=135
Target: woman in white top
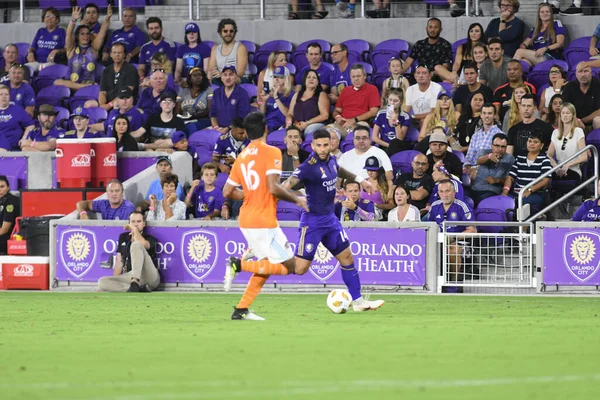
x=276 y=59
x=404 y=211
x=567 y=140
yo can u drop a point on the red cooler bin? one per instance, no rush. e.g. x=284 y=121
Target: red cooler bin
x=73 y=163
x=104 y=161
x=25 y=272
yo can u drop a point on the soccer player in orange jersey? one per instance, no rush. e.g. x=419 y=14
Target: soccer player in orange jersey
x=257 y=170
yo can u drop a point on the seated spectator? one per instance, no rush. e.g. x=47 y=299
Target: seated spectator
x=421 y=97
x=276 y=59
x=274 y=103
x=136 y=269
x=502 y=95
x=441 y=174
x=336 y=137
x=21 y=94
x=180 y=143
x=230 y=145
x=438 y=145
x=159 y=62
x=354 y=160
x=508 y=28
x=230 y=53
x=553 y=115
x=118 y=76
x=114 y=207
x=124 y=103
x=48 y=43
x=492 y=169
x=468 y=122
x=14 y=122
x=164 y=167
x=9 y=57
x=170 y=208
x=483 y=136
x=81 y=120
x=91 y=14
x=381 y=192
x=149 y=101
x=449 y=209
x=589 y=211
x=314 y=55
x=480 y=56
x=293 y=155
x=195 y=101
x=567 y=140
x=464 y=92
x=82 y=51
x=492 y=71
x=188 y=55
x=443 y=116
x=519 y=134
x=42 y=136
x=132 y=38
x=350 y=207
x=340 y=77
x=418 y=182
x=404 y=211
x=435 y=52
x=557 y=78
x=309 y=107
x=9 y=211
x=545 y=40
x=464 y=53
x=391 y=123
x=157 y=43
x=206 y=199
x=122 y=134
x=357 y=103
x=158 y=129
x=526 y=169
x=320 y=14
x=513 y=113
x=584 y=94
x=396 y=81
x=229 y=101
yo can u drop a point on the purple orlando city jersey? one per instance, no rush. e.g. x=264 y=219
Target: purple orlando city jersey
x=319 y=178
x=204 y=202
x=149 y=49
x=387 y=133
x=121 y=213
x=131 y=39
x=13 y=122
x=36 y=134
x=134 y=115
x=23 y=96
x=44 y=42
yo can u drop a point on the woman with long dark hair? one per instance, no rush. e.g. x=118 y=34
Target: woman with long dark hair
x=404 y=211
x=468 y=122
x=309 y=109
x=122 y=134
x=195 y=101
x=464 y=53
x=381 y=193
x=188 y=55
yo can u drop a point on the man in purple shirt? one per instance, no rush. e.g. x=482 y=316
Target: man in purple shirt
x=230 y=145
x=14 y=121
x=91 y=13
x=43 y=136
x=135 y=115
x=589 y=211
x=314 y=56
x=228 y=101
x=340 y=77
x=149 y=98
x=21 y=94
x=320 y=226
x=115 y=207
x=351 y=207
x=157 y=43
x=132 y=37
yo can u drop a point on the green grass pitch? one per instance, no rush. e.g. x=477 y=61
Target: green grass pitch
x=183 y=346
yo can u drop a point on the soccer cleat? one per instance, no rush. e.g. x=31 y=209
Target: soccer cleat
x=573 y=10
x=134 y=287
x=244 y=314
x=366 y=305
x=234 y=266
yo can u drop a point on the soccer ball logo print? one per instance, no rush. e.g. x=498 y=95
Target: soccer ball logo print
x=324 y=264
x=339 y=301
x=199 y=252
x=581 y=257
x=78 y=251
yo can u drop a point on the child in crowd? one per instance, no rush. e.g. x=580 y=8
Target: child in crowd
x=207 y=199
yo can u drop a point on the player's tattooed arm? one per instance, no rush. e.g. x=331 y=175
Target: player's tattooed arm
x=290 y=182
x=346 y=175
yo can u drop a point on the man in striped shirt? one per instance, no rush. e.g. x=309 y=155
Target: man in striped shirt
x=526 y=169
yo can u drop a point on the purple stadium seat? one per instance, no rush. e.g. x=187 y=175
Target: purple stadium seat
x=460 y=155
x=287 y=211
x=208 y=136
x=137 y=4
x=402 y=161
x=63 y=115
x=526 y=67
x=251 y=47
x=251 y=89
x=253 y=72
x=358 y=50
x=495 y=208
x=82 y=95
x=262 y=54
x=379 y=77
x=97 y=114
x=447 y=87
x=539 y=74
x=58 y=4
x=292 y=68
x=276 y=138
x=299 y=56
x=384 y=51
x=48 y=75
x=412 y=136
x=203 y=153
x=22 y=49
x=368 y=69
x=577 y=51
x=53 y=95
x=102 y=4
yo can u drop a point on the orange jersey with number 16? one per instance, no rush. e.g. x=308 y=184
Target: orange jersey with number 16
x=250 y=170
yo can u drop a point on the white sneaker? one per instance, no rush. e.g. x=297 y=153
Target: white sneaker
x=366 y=305
x=250 y=316
x=231 y=270
x=243 y=314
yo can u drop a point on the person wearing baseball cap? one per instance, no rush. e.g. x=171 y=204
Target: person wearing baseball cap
x=43 y=136
x=229 y=101
x=124 y=101
x=180 y=141
x=381 y=196
x=159 y=128
x=164 y=167
x=438 y=151
x=81 y=120
x=274 y=103
x=188 y=54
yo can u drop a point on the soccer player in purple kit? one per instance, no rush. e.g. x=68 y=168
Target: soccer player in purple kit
x=319 y=174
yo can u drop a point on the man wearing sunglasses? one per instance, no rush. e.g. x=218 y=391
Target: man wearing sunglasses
x=230 y=53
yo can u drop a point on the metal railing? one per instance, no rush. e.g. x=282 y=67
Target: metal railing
x=558 y=201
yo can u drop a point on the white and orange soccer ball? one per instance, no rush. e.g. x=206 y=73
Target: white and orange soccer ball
x=339 y=301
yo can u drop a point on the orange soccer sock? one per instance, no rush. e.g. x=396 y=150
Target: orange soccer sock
x=264 y=267
x=255 y=283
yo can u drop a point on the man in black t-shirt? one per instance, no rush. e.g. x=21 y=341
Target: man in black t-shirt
x=418 y=182
x=135 y=269
x=464 y=92
x=520 y=133
x=584 y=94
x=116 y=77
